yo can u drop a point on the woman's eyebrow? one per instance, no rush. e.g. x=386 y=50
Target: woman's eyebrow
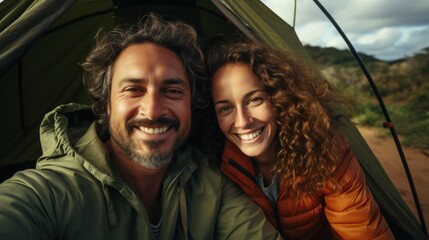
x=245 y=96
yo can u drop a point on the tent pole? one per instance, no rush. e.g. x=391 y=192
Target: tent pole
x=294 y=14
x=388 y=122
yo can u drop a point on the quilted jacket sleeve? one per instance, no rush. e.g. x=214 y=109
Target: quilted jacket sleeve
x=351 y=209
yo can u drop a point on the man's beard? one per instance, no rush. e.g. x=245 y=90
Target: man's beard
x=154 y=159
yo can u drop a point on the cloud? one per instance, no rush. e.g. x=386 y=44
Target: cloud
x=314 y=31
x=387 y=29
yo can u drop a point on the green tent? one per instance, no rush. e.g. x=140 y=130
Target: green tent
x=42 y=43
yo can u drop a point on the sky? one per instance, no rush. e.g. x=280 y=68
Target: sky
x=385 y=29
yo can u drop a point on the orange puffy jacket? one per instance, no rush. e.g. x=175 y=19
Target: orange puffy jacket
x=350 y=212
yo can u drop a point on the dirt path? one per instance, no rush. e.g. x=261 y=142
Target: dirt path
x=418 y=162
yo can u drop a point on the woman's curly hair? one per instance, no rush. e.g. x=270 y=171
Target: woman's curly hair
x=305 y=108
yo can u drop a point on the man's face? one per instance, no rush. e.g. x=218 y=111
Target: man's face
x=150 y=105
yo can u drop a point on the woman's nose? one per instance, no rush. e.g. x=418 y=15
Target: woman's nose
x=243 y=118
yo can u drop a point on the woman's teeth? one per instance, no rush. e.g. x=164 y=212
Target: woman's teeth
x=250 y=136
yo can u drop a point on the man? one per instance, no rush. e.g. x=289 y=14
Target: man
x=132 y=173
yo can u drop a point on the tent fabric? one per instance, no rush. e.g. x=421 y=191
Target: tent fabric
x=400 y=218
x=23 y=22
x=45 y=75
x=43 y=42
x=269 y=27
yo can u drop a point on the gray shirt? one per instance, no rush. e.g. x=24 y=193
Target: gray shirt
x=272 y=190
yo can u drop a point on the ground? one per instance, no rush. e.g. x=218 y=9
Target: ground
x=383 y=146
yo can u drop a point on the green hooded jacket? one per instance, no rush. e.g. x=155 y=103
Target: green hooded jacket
x=74 y=194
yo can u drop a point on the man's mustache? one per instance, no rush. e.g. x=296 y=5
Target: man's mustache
x=162 y=121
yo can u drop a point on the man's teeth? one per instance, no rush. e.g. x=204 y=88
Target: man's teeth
x=154 y=130
x=250 y=136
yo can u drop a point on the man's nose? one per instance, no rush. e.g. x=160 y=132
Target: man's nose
x=151 y=106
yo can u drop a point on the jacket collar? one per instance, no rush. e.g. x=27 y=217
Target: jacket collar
x=239 y=167
x=234 y=160
x=96 y=159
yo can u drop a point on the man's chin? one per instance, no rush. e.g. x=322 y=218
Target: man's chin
x=153 y=160
x=155 y=148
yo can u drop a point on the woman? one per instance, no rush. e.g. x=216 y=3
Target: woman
x=283 y=147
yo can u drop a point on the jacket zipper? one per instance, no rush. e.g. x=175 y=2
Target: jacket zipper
x=241 y=169
x=277 y=217
x=246 y=173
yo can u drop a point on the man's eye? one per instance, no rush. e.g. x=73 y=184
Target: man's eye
x=173 y=91
x=132 y=89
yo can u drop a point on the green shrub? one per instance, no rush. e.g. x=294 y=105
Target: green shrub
x=403 y=85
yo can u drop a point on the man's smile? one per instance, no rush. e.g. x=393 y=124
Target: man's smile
x=158 y=130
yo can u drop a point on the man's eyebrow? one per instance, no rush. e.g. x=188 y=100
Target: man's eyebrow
x=130 y=80
x=173 y=81
x=168 y=81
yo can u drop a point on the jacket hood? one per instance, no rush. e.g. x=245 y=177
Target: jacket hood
x=63 y=126
x=64 y=132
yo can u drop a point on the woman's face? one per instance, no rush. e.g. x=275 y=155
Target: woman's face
x=244 y=111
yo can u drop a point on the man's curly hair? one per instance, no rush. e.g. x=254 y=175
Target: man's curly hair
x=178 y=37
x=305 y=108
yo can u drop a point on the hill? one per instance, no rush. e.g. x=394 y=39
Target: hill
x=403 y=85
x=334 y=56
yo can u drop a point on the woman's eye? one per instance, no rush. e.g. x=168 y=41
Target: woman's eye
x=255 y=101
x=224 y=109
